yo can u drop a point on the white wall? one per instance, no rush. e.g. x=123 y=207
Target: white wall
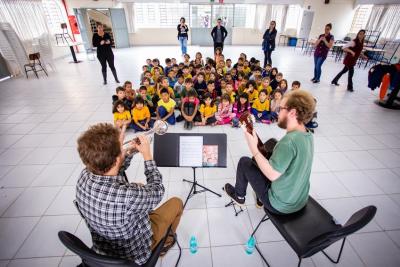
x=154 y=36
x=338 y=12
x=243 y=36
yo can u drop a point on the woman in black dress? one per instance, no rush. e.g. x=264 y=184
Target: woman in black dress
x=268 y=44
x=102 y=41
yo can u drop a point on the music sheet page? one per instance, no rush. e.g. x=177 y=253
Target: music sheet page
x=191 y=151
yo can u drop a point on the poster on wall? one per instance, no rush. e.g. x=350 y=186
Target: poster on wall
x=74 y=24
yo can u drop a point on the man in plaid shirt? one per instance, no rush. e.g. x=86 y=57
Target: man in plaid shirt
x=120 y=214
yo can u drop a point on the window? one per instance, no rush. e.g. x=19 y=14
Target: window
x=278 y=14
x=245 y=15
x=360 y=18
x=54 y=15
x=293 y=17
x=159 y=15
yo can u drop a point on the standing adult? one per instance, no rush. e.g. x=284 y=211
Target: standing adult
x=183 y=35
x=268 y=44
x=219 y=34
x=102 y=41
x=353 y=50
x=322 y=46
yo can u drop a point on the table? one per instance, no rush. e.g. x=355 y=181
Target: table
x=71 y=47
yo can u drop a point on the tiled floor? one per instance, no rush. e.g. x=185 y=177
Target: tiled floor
x=357 y=163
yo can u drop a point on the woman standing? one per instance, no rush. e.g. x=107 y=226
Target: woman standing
x=183 y=35
x=268 y=44
x=102 y=41
x=353 y=50
x=322 y=46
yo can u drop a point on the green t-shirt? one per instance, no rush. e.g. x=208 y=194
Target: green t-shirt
x=292 y=157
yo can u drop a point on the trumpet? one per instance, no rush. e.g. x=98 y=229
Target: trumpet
x=160 y=127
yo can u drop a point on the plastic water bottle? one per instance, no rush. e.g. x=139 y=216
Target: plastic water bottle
x=251 y=243
x=193 y=245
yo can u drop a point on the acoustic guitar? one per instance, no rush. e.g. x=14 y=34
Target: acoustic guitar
x=247 y=119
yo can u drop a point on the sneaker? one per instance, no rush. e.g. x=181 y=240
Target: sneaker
x=334 y=83
x=186 y=125
x=316 y=81
x=313 y=79
x=266 y=121
x=259 y=204
x=350 y=89
x=230 y=191
x=190 y=125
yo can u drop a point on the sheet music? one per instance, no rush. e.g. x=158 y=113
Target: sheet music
x=191 y=151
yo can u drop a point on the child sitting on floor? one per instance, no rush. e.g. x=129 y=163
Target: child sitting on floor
x=283 y=86
x=224 y=114
x=275 y=105
x=129 y=92
x=147 y=99
x=230 y=92
x=189 y=107
x=207 y=112
x=200 y=84
x=166 y=107
x=260 y=108
x=211 y=90
x=251 y=91
x=295 y=85
x=121 y=95
x=122 y=117
x=141 y=119
x=239 y=107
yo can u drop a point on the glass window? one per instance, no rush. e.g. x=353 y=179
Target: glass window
x=224 y=12
x=360 y=18
x=245 y=15
x=200 y=16
x=293 y=17
x=277 y=14
x=159 y=15
x=54 y=15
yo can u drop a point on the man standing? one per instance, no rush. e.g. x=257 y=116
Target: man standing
x=219 y=34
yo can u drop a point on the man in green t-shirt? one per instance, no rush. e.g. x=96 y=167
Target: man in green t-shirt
x=281 y=182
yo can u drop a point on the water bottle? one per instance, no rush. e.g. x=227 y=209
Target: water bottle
x=251 y=243
x=193 y=245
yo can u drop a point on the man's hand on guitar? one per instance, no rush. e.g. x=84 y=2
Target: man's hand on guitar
x=252 y=141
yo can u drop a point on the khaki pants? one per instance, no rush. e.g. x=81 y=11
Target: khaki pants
x=167 y=214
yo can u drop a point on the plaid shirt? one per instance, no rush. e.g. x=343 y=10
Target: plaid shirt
x=117 y=212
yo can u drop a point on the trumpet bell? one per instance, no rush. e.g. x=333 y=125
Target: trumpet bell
x=160 y=127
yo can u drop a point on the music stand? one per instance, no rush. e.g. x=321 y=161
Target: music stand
x=170 y=142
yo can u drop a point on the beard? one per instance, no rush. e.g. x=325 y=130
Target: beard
x=282 y=123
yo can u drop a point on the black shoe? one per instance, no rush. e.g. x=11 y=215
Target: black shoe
x=186 y=125
x=334 y=83
x=350 y=89
x=316 y=81
x=116 y=80
x=313 y=79
x=259 y=204
x=104 y=82
x=230 y=191
x=190 y=125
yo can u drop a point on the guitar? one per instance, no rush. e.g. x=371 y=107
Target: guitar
x=266 y=149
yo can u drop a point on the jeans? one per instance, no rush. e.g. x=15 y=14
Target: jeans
x=183 y=42
x=218 y=45
x=248 y=173
x=350 y=77
x=265 y=114
x=318 y=61
x=188 y=108
x=162 y=112
x=142 y=122
x=267 y=57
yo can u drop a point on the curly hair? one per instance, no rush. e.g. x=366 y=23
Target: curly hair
x=304 y=104
x=99 y=147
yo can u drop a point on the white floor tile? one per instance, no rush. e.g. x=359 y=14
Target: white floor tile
x=55 y=174
x=326 y=185
x=201 y=258
x=267 y=232
x=63 y=203
x=13 y=232
x=367 y=142
x=363 y=160
x=35 y=262
x=376 y=249
x=32 y=202
x=8 y=140
x=182 y=189
x=56 y=140
x=193 y=223
x=7 y=197
x=13 y=156
x=337 y=161
x=228 y=229
x=234 y=256
x=387 y=157
x=40 y=155
x=395 y=236
x=385 y=179
x=344 y=143
x=22 y=128
x=349 y=257
x=67 y=155
x=21 y=176
x=388 y=213
x=43 y=241
x=353 y=180
x=30 y=140
x=69 y=261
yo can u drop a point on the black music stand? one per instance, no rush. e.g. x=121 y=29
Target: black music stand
x=170 y=142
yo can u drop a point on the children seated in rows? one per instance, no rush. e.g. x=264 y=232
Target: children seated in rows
x=207 y=112
x=122 y=115
x=166 y=107
x=260 y=107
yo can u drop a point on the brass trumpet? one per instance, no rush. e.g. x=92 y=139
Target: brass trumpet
x=160 y=127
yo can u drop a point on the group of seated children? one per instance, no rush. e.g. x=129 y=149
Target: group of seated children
x=211 y=93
